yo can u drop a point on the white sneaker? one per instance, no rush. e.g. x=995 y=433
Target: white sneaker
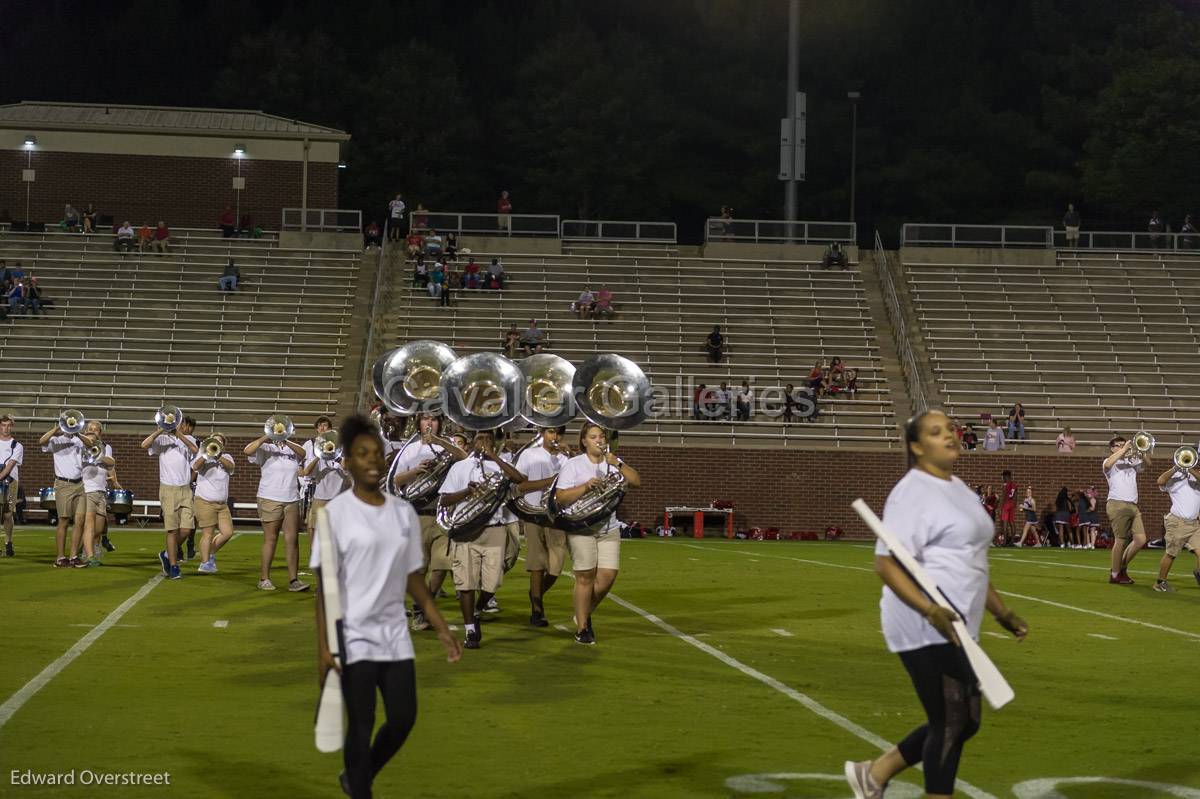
x=297 y=585
x=858 y=775
x=266 y=585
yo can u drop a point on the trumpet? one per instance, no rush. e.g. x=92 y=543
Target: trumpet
x=328 y=445
x=93 y=454
x=212 y=448
x=278 y=427
x=168 y=417
x=1143 y=442
x=71 y=421
x=1185 y=458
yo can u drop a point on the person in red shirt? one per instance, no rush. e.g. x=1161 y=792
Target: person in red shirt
x=162 y=237
x=503 y=209
x=228 y=223
x=414 y=244
x=1008 y=509
x=471 y=275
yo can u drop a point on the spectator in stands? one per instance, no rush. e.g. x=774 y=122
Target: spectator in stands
x=834 y=256
x=512 y=340
x=504 y=208
x=162 y=238
x=990 y=501
x=70 y=219
x=835 y=382
x=696 y=394
x=789 y=403
x=453 y=281
x=16 y=298
x=452 y=246
x=420 y=218
x=414 y=244
x=495 y=278
x=726 y=223
x=246 y=226
x=145 y=237
x=1187 y=237
x=532 y=338
x=372 y=236
x=437 y=277
x=852 y=383
x=970 y=440
x=434 y=243
x=1016 y=422
x=395 y=222
x=228 y=281
x=1156 y=227
x=745 y=401
x=124 y=240
x=420 y=272
x=993 y=439
x=471 y=274
x=228 y=223
x=1071 y=223
x=33 y=296
x=604 y=307
x=816 y=379
x=724 y=400
x=1065 y=441
x=585 y=303
x=89 y=219
x=714 y=344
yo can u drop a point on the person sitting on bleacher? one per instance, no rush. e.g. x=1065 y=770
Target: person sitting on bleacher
x=816 y=378
x=372 y=236
x=162 y=238
x=70 y=218
x=433 y=243
x=33 y=296
x=714 y=344
x=495 y=278
x=145 y=236
x=834 y=256
x=512 y=340
x=532 y=339
x=89 y=219
x=471 y=274
x=414 y=244
x=836 y=382
x=124 y=240
x=604 y=308
x=230 y=277
x=228 y=223
x=585 y=303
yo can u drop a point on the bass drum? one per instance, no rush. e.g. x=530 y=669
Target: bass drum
x=47 y=501
x=120 y=501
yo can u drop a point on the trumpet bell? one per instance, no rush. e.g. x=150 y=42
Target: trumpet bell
x=548 y=398
x=1185 y=458
x=168 y=417
x=72 y=420
x=482 y=391
x=212 y=447
x=93 y=454
x=328 y=445
x=278 y=427
x=1143 y=442
x=612 y=391
x=408 y=379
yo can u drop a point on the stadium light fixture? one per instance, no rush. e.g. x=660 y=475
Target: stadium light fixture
x=239 y=150
x=30 y=141
x=341 y=164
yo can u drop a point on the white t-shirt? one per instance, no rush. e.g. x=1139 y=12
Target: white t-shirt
x=68 y=456
x=577 y=471
x=329 y=476
x=212 y=481
x=1185 y=495
x=174 y=459
x=397 y=208
x=95 y=478
x=538 y=464
x=377 y=549
x=280 y=467
x=467 y=471
x=506 y=515
x=1122 y=479
x=948 y=532
x=12 y=450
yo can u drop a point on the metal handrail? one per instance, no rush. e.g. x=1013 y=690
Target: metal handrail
x=908 y=359
x=322 y=220
x=364 y=401
x=614 y=230
x=779 y=231
x=460 y=222
x=934 y=234
x=1128 y=240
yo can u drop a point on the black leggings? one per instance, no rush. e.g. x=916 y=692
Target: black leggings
x=949 y=693
x=397 y=681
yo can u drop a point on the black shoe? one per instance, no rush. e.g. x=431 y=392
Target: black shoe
x=591 y=630
x=191 y=549
x=344 y=781
x=474 y=639
x=538 y=620
x=108 y=545
x=8 y=552
x=585 y=637
x=179 y=558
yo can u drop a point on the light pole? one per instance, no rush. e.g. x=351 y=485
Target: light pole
x=853 y=145
x=30 y=143
x=793 y=80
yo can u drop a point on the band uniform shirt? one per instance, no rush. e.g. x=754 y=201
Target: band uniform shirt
x=12 y=451
x=577 y=471
x=467 y=471
x=1122 y=479
x=212 y=482
x=1185 y=496
x=947 y=531
x=68 y=456
x=279 y=471
x=95 y=477
x=328 y=475
x=538 y=464
x=377 y=549
x=174 y=459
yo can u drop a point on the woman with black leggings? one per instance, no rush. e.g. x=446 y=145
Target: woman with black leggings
x=940 y=520
x=377 y=538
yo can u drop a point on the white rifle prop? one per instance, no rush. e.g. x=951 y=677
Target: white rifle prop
x=992 y=685
x=330 y=732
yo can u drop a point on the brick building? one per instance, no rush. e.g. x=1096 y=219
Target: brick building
x=144 y=163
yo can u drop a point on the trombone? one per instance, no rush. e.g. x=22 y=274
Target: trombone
x=71 y=421
x=168 y=417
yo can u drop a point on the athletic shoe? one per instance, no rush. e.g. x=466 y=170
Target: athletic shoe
x=62 y=563
x=175 y=574
x=8 y=550
x=94 y=562
x=584 y=637
x=212 y=561
x=1163 y=587
x=191 y=549
x=859 y=776
x=108 y=545
x=419 y=622
x=296 y=586
x=1121 y=578
x=344 y=781
x=492 y=606
x=1196 y=574
x=207 y=567
x=79 y=563
x=179 y=554
x=591 y=630
x=538 y=620
x=166 y=564
x=266 y=585
x=474 y=639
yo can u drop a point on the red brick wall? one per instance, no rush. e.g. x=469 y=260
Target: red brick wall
x=185 y=192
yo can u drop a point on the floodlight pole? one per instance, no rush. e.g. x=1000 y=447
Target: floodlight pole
x=793 y=86
x=853 y=146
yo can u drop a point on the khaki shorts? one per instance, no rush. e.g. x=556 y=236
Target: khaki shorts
x=1125 y=518
x=270 y=510
x=68 y=499
x=310 y=518
x=436 y=548
x=209 y=514
x=512 y=544
x=545 y=549
x=479 y=565
x=176 y=507
x=97 y=502
x=596 y=551
x=11 y=501
x=1180 y=533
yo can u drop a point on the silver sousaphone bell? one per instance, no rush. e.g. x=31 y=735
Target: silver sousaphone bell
x=71 y=421
x=549 y=402
x=408 y=379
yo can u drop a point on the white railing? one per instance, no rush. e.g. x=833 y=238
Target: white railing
x=1128 y=240
x=486 y=224
x=322 y=220
x=908 y=359
x=608 y=230
x=365 y=386
x=778 y=231
x=922 y=234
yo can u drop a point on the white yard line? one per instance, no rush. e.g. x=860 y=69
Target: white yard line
x=1056 y=565
x=1101 y=637
x=18 y=700
x=781 y=631
x=221 y=624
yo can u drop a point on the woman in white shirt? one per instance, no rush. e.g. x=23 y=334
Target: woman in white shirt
x=596 y=552
x=212 y=505
x=1121 y=469
x=940 y=520
x=377 y=541
x=278 y=505
x=95 y=496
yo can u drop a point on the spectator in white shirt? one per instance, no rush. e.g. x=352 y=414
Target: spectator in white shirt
x=1181 y=527
x=124 y=239
x=67 y=450
x=531 y=338
x=993 y=437
x=745 y=402
x=585 y=303
x=12 y=455
x=278 y=505
x=1121 y=469
x=175 y=451
x=212 y=504
x=395 y=223
x=96 y=473
x=1065 y=441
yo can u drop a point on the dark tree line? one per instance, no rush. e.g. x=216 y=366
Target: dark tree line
x=971 y=110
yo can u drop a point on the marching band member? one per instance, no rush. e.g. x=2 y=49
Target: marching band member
x=67 y=450
x=307 y=485
x=377 y=539
x=327 y=476
x=1121 y=470
x=511 y=525
x=278 y=505
x=546 y=546
x=413 y=462
x=940 y=520
x=95 y=492
x=12 y=455
x=1181 y=527
x=595 y=555
x=477 y=565
x=175 y=451
x=212 y=504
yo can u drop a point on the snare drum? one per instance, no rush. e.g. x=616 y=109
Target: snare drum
x=120 y=501
x=46 y=499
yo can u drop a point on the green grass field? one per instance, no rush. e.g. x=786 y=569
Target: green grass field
x=718 y=661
